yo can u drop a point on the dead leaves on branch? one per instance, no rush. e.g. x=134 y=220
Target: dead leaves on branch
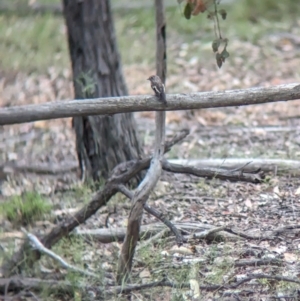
x=194 y=8
x=221 y=56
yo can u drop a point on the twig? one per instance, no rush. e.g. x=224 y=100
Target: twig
x=36 y=244
x=163 y=219
x=258 y=262
x=269 y=236
x=207 y=233
x=158 y=215
x=152 y=239
x=264 y=276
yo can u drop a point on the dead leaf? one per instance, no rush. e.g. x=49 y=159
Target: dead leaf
x=145 y=274
x=181 y=250
x=248 y=203
x=201 y=6
x=290 y=257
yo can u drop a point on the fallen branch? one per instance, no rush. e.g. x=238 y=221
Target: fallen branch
x=239 y=263
x=264 y=276
x=246 y=165
x=238 y=174
x=268 y=235
x=207 y=233
x=37 y=245
x=123 y=104
x=198 y=230
x=41 y=168
x=107 y=235
x=258 y=262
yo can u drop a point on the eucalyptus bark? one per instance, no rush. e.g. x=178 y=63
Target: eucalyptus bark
x=102 y=142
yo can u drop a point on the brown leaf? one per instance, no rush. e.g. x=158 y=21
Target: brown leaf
x=201 y=6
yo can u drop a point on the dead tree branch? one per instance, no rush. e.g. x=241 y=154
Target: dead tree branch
x=142 y=193
x=154 y=212
x=243 y=165
x=123 y=104
x=37 y=245
x=105 y=235
x=211 y=172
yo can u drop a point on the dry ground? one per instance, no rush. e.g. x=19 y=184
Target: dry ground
x=264 y=131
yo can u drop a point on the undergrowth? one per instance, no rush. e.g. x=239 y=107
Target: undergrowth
x=25 y=209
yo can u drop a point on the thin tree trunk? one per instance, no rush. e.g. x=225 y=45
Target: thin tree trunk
x=102 y=141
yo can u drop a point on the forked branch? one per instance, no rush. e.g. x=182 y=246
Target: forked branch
x=143 y=191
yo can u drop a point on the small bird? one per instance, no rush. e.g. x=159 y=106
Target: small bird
x=158 y=87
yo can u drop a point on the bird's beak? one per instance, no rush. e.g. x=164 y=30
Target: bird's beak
x=148 y=78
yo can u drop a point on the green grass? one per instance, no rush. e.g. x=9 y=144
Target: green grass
x=25 y=209
x=32 y=43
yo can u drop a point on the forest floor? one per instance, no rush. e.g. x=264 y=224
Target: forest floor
x=263 y=53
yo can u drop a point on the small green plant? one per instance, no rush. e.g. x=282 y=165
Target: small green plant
x=25 y=209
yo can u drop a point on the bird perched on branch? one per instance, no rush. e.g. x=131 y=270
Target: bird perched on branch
x=159 y=88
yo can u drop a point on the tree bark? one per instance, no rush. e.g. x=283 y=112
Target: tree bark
x=102 y=142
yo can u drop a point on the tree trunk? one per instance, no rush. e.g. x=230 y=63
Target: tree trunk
x=102 y=142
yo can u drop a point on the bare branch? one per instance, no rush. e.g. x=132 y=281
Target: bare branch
x=211 y=172
x=147 y=185
x=36 y=244
x=105 y=235
x=114 y=105
x=40 y=168
x=264 y=276
x=207 y=233
x=158 y=215
x=245 y=165
x=138 y=202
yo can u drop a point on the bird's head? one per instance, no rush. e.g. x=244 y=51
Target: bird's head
x=151 y=78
